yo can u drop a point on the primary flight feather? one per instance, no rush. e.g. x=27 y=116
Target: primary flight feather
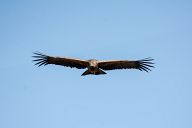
x=94 y=66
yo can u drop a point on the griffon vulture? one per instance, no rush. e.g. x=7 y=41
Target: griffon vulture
x=93 y=66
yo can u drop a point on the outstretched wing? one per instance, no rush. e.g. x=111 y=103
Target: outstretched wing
x=143 y=65
x=42 y=59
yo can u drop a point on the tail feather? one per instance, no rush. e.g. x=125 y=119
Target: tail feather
x=98 y=72
x=87 y=72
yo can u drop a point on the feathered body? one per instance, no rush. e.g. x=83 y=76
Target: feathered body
x=94 y=66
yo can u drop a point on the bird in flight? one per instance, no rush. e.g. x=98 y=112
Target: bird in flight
x=94 y=67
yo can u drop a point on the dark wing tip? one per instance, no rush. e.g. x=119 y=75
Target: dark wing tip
x=40 y=59
x=146 y=64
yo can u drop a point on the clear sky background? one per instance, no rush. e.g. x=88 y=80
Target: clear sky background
x=58 y=97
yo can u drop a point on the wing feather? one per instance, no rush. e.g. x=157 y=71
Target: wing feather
x=142 y=65
x=42 y=59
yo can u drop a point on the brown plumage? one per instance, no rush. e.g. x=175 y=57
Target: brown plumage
x=93 y=66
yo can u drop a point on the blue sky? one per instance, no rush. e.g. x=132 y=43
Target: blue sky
x=58 y=97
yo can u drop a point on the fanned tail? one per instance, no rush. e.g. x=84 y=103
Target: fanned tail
x=98 y=72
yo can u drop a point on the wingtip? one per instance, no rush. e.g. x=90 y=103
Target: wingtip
x=146 y=64
x=40 y=59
